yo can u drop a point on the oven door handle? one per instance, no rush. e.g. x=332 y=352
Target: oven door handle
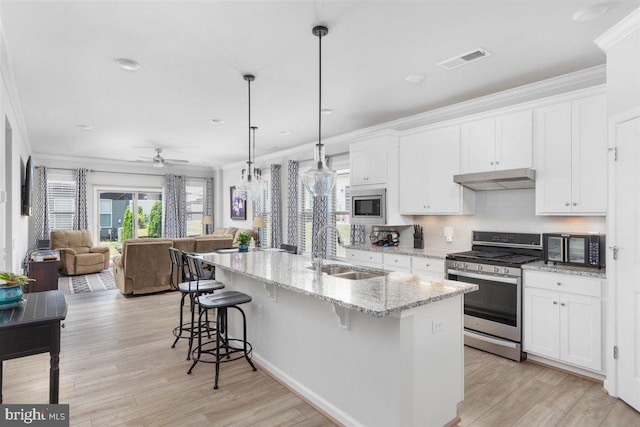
x=512 y=280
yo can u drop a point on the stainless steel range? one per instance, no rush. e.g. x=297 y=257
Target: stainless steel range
x=493 y=314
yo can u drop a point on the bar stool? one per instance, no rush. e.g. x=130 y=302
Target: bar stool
x=222 y=352
x=190 y=285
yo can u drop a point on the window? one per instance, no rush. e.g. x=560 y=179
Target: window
x=265 y=210
x=106 y=220
x=195 y=207
x=62 y=201
x=339 y=216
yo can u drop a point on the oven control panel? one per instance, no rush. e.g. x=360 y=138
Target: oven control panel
x=472 y=267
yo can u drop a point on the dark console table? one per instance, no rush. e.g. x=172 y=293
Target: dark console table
x=32 y=329
x=43 y=267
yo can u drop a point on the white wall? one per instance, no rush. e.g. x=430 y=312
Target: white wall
x=508 y=211
x=623 y=75
x=115 y=176
x=14 y=152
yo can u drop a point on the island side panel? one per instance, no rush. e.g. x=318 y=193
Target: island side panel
x=432 y=362
x=356 y=375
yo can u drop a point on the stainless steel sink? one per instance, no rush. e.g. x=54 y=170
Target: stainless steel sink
x=348 y=272
x=358 y=275
x=332 y=270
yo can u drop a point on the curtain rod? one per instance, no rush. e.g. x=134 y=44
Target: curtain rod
x=122 y=173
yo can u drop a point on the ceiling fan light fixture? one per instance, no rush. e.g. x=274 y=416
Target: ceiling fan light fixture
x=319 y=180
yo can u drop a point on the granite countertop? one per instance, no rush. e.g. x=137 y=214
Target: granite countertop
x=380 y=296
x=399 y=250
x=566 y=269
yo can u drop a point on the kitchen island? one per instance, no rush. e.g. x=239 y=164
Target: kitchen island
x=383 y=351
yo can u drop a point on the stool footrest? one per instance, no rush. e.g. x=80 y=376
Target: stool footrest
x=227 y=353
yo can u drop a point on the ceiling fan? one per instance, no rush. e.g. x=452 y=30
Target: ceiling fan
x=159 y=162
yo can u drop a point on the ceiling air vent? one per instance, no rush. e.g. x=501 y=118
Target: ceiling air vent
x=463 y=59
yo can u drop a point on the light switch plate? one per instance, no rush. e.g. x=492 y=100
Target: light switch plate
x=448 y=234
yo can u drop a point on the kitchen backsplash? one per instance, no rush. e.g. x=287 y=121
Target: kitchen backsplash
x=505 y=210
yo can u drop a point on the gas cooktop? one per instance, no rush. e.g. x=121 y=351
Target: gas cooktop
x=493 y=258
x=503 y=249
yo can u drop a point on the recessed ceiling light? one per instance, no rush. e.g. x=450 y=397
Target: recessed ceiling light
x=285 y=132
x=127 y=64
x=326 y=111
x=217 y=121
x=84 y=127
x=414 y=79
x=590 y=13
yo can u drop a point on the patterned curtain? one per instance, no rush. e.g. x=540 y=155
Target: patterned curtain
x=357 y=234
x=208 y=202
x=175 y=205
x=276 y=207
x=81 y=217
x=42 y=206
x=292 y=203
x=320 y=218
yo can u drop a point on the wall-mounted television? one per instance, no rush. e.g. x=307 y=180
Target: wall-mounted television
x=27 y=188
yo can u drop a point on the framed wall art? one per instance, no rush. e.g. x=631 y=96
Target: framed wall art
x=238 y=204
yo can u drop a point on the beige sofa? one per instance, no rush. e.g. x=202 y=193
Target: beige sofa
x=145 y=266
x=77 y=253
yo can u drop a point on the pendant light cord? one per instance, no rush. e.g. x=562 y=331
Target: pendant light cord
x=320 y=101
x=249 y=162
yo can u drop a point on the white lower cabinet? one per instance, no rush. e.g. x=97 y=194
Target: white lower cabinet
x=431 y=267
x=564 y=324
x=397 y=263
x=366 y=258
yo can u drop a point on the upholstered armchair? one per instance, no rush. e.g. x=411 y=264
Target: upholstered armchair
x=77 y=253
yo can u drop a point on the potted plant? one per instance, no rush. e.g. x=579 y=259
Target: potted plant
x=11 y=287
x=243 y=240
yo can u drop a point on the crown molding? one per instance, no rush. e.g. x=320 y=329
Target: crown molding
x=619 y=31
x=545 y=88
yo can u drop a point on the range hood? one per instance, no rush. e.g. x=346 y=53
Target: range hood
x=498 y=180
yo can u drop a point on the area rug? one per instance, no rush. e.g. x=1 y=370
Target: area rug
x=97 y=282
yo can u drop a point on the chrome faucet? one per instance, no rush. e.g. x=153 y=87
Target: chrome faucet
x=318 y=260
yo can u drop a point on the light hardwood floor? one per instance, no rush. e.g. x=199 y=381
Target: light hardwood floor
x=117 y=369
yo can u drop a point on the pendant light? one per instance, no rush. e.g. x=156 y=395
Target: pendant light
x=319 y=179
x=257 y=173
x=248 y=182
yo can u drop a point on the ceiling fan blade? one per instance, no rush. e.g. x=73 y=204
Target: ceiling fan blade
x=145 y=157
x=181 y=161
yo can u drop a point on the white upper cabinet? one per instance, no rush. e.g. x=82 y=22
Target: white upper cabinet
x=571 y=157
x=428 y=161
x=369 y=161
x=497 y=143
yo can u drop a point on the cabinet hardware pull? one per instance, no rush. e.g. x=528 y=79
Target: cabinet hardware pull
x=566 y=203
x=559 y=284
x=575 y=203
x=562 y=304
x=555 y=302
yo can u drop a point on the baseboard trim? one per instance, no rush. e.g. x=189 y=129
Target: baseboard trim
x=578 y=372
x=321 y=405
x=453 y=422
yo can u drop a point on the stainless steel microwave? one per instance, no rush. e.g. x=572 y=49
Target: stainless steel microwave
x=584 y=250
x=369 y=206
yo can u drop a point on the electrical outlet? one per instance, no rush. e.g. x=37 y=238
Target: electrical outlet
x=260 y=312
x=437 y=326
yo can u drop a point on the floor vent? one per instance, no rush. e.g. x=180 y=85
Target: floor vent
x=463 y=59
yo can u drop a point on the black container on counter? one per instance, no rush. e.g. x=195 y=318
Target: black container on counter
x=418 y=241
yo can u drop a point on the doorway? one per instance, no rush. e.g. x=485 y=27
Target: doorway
x=124 y=215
